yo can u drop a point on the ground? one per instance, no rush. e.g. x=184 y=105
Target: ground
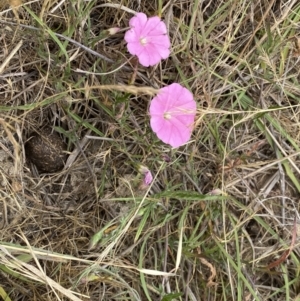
x=220 y=220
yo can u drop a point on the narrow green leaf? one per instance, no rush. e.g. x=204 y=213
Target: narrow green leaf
x=170 y=297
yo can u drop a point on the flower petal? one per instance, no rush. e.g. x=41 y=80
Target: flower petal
x=157 y=106
x=135 y=48
x=161 y=43
x=174 y=133
x=149 y=56
x=138 y=22
x=131 y=36
x=154 y=27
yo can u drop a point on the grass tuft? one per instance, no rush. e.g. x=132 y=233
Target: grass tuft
x=218 y=221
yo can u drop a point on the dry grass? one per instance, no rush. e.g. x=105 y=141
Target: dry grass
x=218 y=221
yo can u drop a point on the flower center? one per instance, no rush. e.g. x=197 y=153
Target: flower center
x=143 y=41
x=167 y=115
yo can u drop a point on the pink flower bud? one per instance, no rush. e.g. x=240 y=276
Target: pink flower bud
x=148 y=178
x=113 y=30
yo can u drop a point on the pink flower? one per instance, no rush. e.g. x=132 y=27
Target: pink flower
x=148 y=178
x=147 y=39
x=172 y=114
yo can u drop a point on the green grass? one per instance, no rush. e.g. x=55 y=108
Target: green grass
x=221 y=208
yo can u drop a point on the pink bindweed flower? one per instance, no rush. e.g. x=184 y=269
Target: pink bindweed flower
x=147 y=39
x=172 y=114
x=148 y=178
